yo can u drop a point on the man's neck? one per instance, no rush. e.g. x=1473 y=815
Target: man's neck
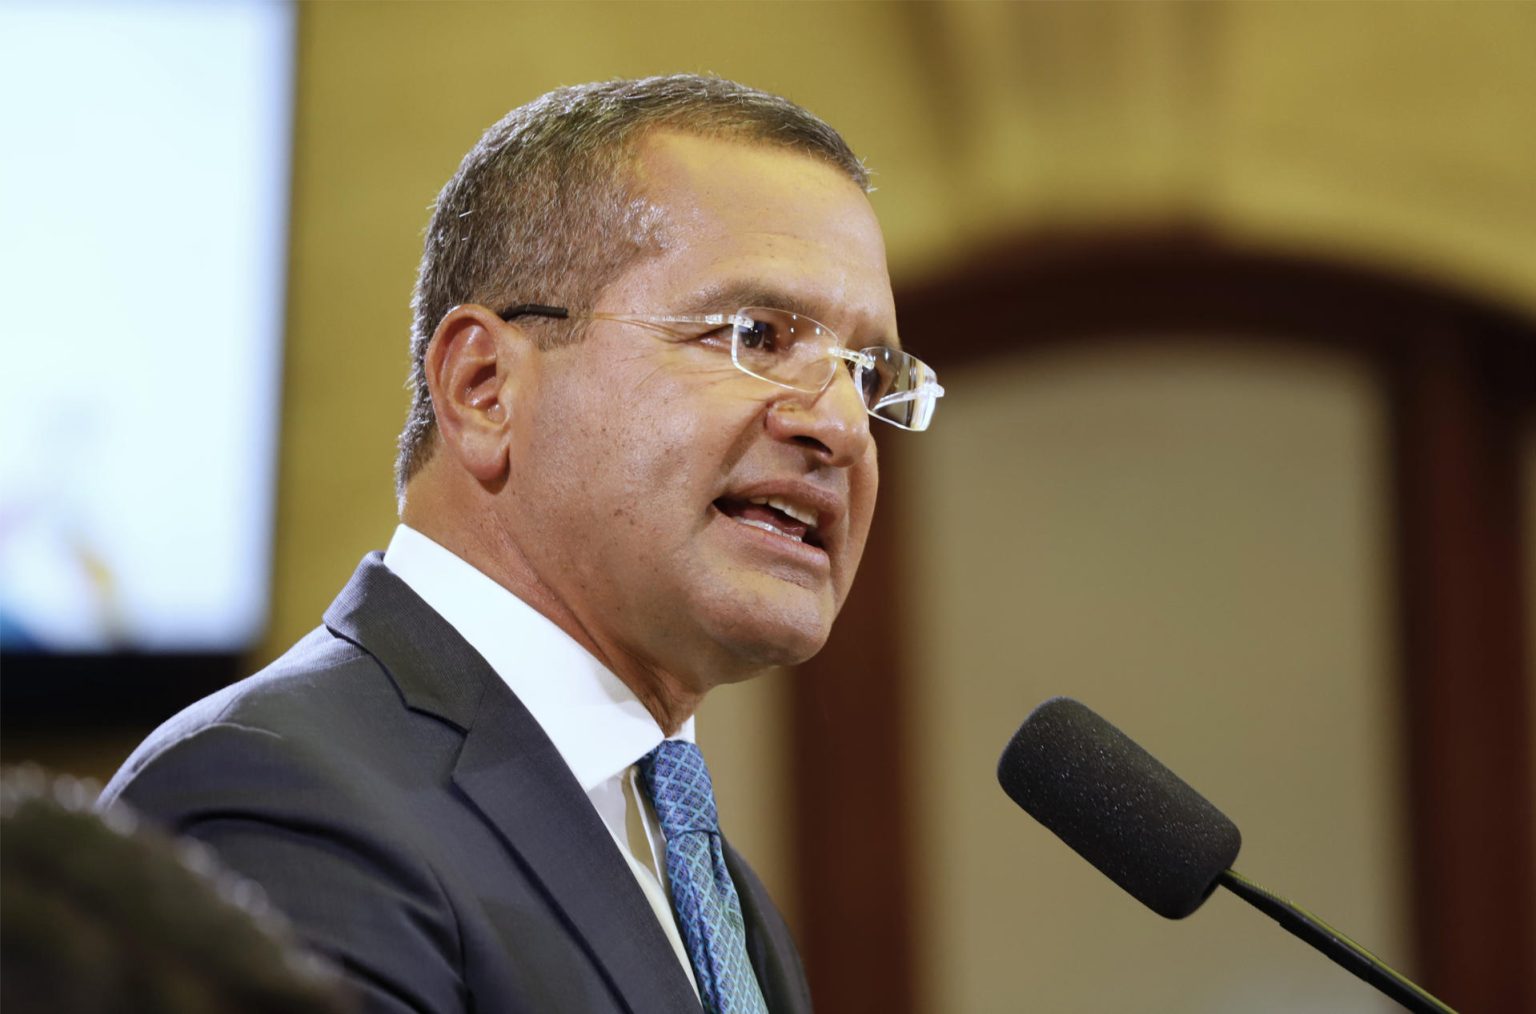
x=671 y=700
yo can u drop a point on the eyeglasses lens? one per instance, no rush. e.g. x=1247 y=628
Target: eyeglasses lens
x=784 y=348
x=792 y=350
x=899 y=391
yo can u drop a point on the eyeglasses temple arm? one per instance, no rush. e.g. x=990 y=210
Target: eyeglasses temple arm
x=928 y=390
x=534 y=310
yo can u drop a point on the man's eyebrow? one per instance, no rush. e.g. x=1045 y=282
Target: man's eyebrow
x=730 y=296
x=735 y=295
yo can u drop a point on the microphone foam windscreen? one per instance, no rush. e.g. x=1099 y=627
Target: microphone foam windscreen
x=1117 y=807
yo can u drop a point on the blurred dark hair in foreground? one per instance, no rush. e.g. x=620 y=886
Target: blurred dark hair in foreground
x=100 y=914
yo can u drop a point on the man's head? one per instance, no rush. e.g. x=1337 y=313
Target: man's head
x=627 y=479
x=544 y=206
x=104 y=914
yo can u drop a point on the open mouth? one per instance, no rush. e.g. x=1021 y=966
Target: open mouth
x=774 y=514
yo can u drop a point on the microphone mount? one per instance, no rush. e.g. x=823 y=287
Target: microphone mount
x=1335 y=946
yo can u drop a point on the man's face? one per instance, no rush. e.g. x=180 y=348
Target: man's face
x=633 y=479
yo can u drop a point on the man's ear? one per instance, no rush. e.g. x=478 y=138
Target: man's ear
x=472 y=367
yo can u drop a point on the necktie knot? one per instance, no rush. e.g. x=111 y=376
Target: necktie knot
x=678 y=782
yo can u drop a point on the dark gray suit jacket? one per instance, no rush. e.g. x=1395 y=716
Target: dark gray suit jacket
x=401 y=806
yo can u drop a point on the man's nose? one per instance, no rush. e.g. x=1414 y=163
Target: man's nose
x=833 y=422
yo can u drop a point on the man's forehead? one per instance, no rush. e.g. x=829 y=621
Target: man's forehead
x=752 y=223
x=668 y=163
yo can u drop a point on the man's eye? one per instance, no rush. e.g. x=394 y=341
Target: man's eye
x=757 y=336
x=873 y=383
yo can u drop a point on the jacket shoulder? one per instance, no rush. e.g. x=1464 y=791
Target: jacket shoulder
x=268 y=701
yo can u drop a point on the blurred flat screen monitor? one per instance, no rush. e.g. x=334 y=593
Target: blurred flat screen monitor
x=144 y=162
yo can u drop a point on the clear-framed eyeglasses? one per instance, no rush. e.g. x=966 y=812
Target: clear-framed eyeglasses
x=793 y=351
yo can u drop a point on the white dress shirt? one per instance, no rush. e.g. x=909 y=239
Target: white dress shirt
x=594 y=720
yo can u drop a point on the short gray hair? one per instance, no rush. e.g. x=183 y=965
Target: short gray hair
x=543 y=208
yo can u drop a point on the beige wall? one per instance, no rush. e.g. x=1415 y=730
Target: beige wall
x=1397 y=134
x=1189 y=539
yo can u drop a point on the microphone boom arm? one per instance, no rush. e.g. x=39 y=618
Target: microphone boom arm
x=1336 y=946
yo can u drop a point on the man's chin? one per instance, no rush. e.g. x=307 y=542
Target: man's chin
x=762 y=636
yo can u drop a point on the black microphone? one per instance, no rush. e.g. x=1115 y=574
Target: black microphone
x=1142 y=826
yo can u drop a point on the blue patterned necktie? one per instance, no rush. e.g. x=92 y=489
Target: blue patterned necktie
x=703 y=896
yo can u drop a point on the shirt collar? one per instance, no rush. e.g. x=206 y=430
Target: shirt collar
x=594 y=720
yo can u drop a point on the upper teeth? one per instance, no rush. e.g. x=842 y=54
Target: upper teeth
x=800 y=514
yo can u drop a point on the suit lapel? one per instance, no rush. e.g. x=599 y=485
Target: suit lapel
x=769 y=945
x=524 y=788
x=520 y=784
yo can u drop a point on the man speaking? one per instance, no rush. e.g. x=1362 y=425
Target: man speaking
x=652 y=323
